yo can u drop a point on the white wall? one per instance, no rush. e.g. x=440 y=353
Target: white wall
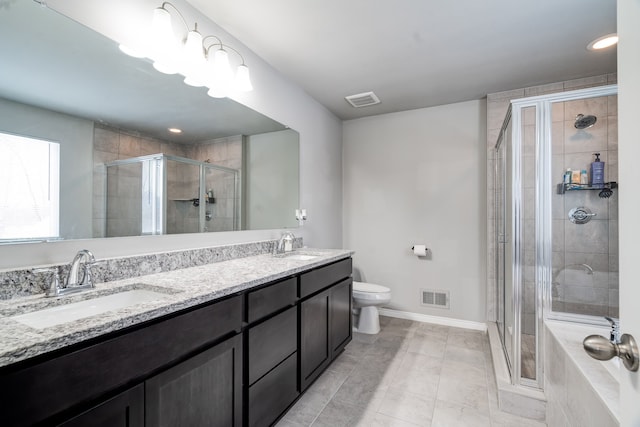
x=320 y=145
x=75 y=136
x=418 y=177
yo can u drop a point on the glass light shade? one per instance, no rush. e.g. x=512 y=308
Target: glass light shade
x=221 y=77
x=193 y=51
x=243 y=80
x=161 y=24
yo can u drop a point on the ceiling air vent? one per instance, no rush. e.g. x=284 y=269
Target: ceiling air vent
x=362 y=99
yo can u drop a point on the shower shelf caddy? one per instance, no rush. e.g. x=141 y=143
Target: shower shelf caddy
x=562 y=188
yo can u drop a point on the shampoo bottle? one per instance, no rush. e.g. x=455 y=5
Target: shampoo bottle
x=597 y=172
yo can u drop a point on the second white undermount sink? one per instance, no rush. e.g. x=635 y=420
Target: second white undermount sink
x=64 y=313
x=302 y=257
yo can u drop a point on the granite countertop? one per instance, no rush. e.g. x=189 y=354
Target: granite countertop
x=179 y=289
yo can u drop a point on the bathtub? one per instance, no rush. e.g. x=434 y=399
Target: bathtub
x=580 y=390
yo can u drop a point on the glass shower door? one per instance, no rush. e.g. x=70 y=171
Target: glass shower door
x=183 y=196
x=124 y=201
x=222 y=207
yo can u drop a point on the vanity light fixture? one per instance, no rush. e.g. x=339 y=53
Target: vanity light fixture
x=174 y=130
x=200 y=64
x=603 y=42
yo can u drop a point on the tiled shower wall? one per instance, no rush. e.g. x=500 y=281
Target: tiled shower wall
x=497 y=105
x=115 y=144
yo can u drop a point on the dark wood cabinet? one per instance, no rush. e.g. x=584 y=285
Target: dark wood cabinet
x=124 y=410
x=325 y=318
x=85 y=373
x=241 y=360
x=204 y=390
x=270 y=342
x=340 y=317
x=315 y=351
x=272 y=367
x=273 y=393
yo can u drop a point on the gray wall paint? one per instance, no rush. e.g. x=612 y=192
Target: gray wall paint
x=75 y=136
x=271 y=179
x=320 y=146
x=418 y=177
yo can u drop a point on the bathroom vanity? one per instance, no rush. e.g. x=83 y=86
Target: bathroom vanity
x=233 y=343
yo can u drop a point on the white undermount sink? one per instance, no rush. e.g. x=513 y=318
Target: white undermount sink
x=64 y=313
x=302 y=257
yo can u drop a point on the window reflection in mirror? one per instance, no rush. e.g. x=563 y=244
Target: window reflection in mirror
x=29 y=194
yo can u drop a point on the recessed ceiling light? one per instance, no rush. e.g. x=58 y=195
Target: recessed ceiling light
x=175 y=130
x=603 y=42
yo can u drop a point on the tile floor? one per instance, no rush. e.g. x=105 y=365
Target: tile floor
x=410 y=374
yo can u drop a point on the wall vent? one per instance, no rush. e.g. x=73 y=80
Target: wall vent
x=362 y=99
x=435 y=298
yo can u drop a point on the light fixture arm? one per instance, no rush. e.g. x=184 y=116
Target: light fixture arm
x=222 y=46
x=184 y=21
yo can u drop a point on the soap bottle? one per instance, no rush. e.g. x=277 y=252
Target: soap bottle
x=566 y=179
x=584 y=180
x=597 y=172
x=575 y=176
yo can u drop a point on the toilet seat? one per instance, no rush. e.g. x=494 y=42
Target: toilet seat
x=369 y=287
x=371 y=292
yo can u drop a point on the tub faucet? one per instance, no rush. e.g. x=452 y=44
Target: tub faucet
x=614 y=335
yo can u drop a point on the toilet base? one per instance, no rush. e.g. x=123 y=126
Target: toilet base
x=369 y=320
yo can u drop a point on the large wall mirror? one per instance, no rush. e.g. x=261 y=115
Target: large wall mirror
x=121 y=171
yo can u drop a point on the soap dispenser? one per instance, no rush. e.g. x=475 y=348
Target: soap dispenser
x=597 y=172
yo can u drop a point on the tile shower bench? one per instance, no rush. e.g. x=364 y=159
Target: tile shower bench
x=228 y=343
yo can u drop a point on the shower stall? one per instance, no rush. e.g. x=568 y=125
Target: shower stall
x=164 y=194
x=556 y=232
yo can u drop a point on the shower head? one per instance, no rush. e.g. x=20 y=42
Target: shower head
x=583 y=122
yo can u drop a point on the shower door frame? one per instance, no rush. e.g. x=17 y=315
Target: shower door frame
x=544 y=184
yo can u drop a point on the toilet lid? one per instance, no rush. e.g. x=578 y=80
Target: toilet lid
x=369 y=287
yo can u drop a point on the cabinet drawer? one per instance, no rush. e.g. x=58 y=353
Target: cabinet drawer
x=320 y=278
x=270 y=396
x=271 y=342
x=87 y=373
x=270 y=299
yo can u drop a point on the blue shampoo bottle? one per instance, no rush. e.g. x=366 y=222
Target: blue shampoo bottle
x=597 y=172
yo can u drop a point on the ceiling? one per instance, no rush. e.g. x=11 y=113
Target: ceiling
x=419 y=53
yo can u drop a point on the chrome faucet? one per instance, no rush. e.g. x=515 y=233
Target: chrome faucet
x=285 y=244
x=74 y=279
x=78 y=279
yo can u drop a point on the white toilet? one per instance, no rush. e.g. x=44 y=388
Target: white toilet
x=367 y=297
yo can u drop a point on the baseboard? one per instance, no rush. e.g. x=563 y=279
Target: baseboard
x=438 y=320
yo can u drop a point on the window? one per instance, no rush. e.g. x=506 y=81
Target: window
x=29 y=188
